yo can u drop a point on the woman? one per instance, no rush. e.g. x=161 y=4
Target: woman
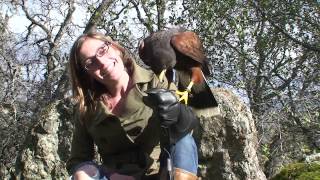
x=111 y=113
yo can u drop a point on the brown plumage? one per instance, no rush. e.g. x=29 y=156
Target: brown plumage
x=182 y=51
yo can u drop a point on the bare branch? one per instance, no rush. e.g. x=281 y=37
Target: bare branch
x=118 y=14
x=65 y=23
x=161 y=7
x=148 y=24
x=33 y=21
x=97 y=15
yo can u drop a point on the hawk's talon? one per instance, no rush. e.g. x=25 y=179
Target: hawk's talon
x=183 y=96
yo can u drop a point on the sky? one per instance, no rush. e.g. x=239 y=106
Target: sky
x=18 y=23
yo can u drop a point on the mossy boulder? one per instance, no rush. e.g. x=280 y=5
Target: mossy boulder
x=299 y=171
x=226 y=137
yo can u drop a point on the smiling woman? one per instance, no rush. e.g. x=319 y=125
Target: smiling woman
x=90 y=63
x=105 y=65
x=110 y=90
x=105 y=62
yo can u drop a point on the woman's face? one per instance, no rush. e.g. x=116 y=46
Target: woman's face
x=101 y=60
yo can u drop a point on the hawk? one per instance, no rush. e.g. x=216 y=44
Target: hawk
x=178 y=54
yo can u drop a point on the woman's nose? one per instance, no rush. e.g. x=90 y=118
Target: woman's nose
x=100 y=62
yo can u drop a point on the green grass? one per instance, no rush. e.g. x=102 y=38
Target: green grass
x=299 y=171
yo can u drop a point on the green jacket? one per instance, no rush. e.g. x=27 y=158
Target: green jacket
x=125 y=142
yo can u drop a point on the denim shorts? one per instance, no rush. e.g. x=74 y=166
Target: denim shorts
x=185 y=154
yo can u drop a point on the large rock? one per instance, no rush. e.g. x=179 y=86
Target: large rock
x=48 y=145
x=226 y=138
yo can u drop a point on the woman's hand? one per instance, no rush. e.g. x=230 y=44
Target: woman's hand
x=177 y=117
x=165 y=104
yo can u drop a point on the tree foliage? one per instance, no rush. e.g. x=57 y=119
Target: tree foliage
x=269 y=51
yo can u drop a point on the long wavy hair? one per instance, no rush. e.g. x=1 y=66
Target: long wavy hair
x=86 y=90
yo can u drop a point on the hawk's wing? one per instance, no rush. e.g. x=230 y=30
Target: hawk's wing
x=189 y=44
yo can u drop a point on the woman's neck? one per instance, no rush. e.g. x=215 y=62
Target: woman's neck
x=119 y=88
x=117 y=92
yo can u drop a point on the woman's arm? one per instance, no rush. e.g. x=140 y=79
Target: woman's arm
x=82 y=147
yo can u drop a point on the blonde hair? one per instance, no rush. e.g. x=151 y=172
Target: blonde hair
x=86 y=90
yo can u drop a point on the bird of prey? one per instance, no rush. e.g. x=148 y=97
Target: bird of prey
x=178 y=54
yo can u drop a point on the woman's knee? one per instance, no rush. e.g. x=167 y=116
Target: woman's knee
x=86 y=171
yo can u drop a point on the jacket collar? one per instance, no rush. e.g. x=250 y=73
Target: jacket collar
x=141 y=75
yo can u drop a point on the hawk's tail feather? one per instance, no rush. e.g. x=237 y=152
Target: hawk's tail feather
x=202 y=96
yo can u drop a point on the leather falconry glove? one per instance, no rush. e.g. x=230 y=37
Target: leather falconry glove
x=178 y=117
